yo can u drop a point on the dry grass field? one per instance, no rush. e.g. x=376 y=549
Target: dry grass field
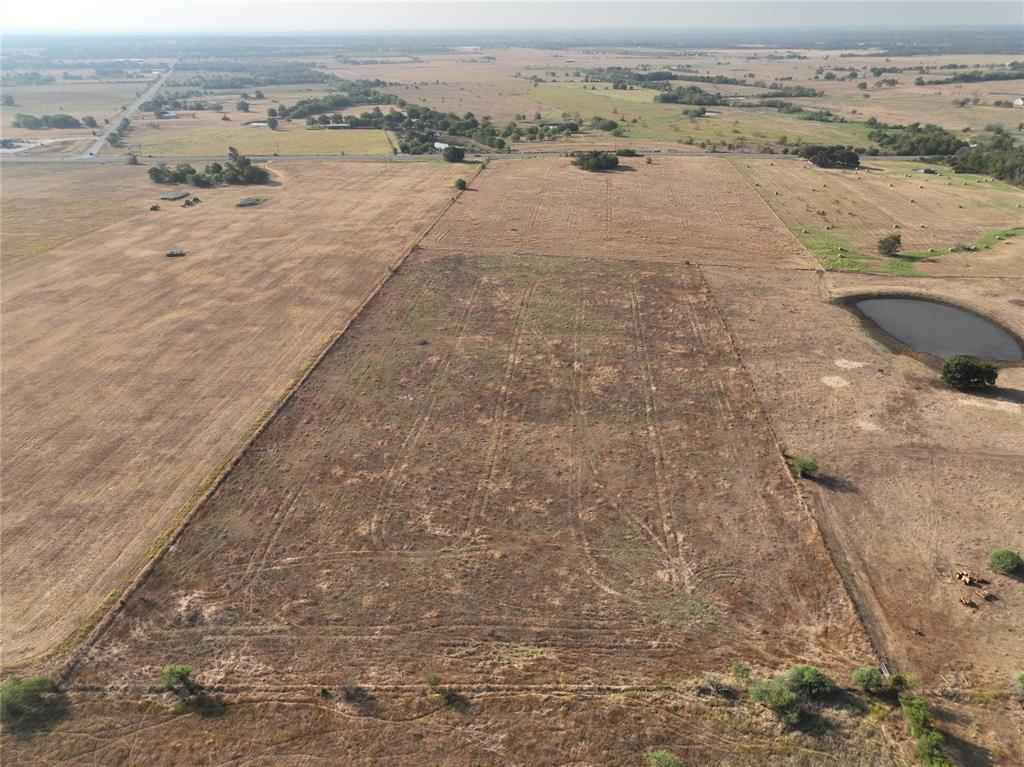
x=673 y=210
x=129 y=377
x=102 y=100
x=535 y=493
x=840 y=216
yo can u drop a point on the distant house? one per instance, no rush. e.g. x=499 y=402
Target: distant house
x=166 y=116
x=1019 y=101
x=337 y=126
x=440 y=145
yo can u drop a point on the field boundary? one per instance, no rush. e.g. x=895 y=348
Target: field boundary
x=79 y=642
x=875 y=641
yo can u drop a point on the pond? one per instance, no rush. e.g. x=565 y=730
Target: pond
x=940 y=329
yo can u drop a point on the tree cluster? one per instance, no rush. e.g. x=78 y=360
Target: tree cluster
x=238 y=169
x=46 y=121
x=998 y=157
x=595 y=160
x=914 y=139
x=836 y=156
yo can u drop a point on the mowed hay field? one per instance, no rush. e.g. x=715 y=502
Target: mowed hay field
x=129 y=377
x=674 y=210
x=840 y=216
x=546 y=480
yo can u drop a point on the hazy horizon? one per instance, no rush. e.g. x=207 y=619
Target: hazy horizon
x=487 y=16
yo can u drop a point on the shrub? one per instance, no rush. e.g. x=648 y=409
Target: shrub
x=867 y=678
x=626 y=152
x=802 y=466
x=712 y=684
x=433 y=681
x=890 y=245
x=1006 y=561
x=899 y=682
x=740 y=671
x=27 y=702
x=809 y=681
x=461 y=184
x=779 y=699
x=918 y=714
x=1020 y=686
x=177 y=678
x=662 y=758
x=931 y=750
x=453 y=154
x=595 y=160
x=966 y=373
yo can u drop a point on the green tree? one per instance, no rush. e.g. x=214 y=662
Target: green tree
x=1006 y=561
x=962 y=372
x=890 y=244
x=595 y=160
x=242 y=105
x=461 y=184
x=272 y=123
x=453 y=154
x=8 y=100
x=918 y=714
x=27 y=702
x=90 y=122
x=809 y=680
x=867 y=678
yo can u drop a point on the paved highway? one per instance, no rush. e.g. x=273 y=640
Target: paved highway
x=101 y=140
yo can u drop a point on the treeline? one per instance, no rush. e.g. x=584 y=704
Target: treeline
x=51 y=121
x=26 y=78
x=355 y=92
x=247 y=74
x=690 y=94
x=914 y=139
x=975 y=77
x=997 y=157
x=238 y=169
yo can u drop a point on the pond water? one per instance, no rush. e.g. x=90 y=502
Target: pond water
x=941 y=330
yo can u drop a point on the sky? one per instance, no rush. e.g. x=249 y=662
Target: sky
x=261 y=16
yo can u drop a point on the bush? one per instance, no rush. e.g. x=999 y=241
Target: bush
x=890 y=245
x=899 y=682
x=595 y=160
x=177 y=678
x=626 y=153
x=740 y=671
x=461 y=184
x=867 y=678
x=779 y=699
x=809 y=680
x=453 y=154
x=802 y=466
x=1020 y=686
x=662 y=758
x=918 y=714
x=931 y=750
x=27 y=702
x=966 y=373
x=1006 y=561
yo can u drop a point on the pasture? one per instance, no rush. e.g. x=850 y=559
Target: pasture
x=840 y=215
x=130 y=378
x=206 y=133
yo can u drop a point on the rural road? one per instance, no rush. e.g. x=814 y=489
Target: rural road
x=101 y=140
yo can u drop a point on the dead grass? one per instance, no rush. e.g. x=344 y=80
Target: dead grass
x=155 y=367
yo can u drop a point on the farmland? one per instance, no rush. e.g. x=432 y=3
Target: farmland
x=173 y=361
x=840 y=216
x=506 y=473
